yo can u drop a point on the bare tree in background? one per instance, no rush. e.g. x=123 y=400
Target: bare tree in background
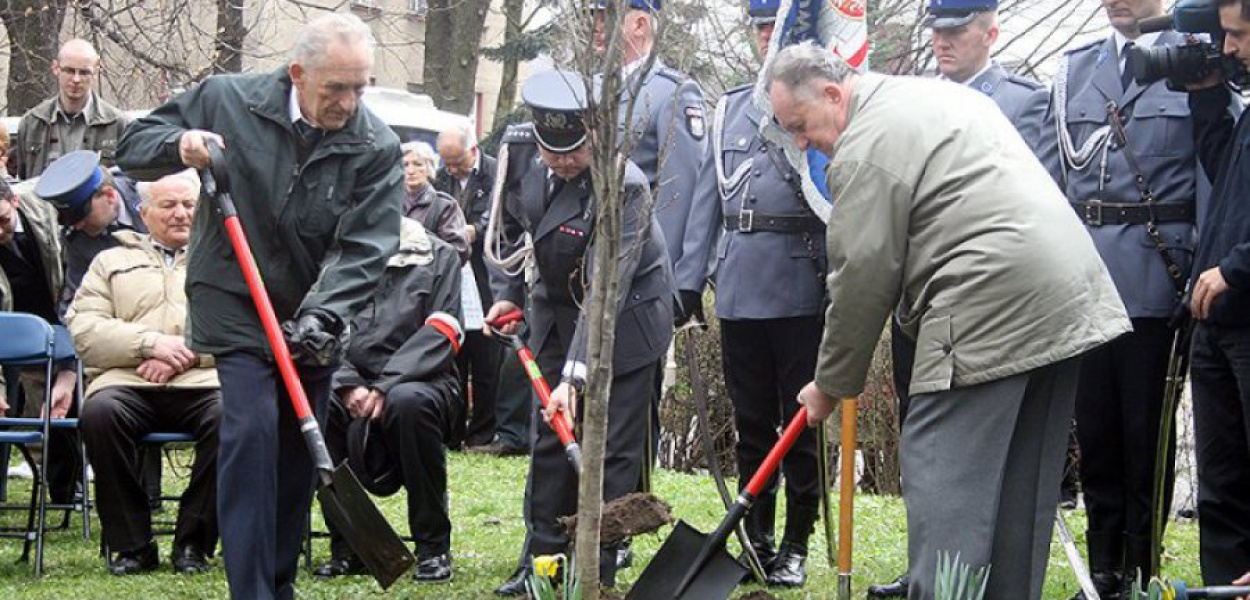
x=453 y=38
x=32 y=27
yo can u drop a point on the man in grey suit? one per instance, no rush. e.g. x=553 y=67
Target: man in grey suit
x=770 y=270
x=937 y=213
x=1097 y=109
x=964 y=31
x=556 y=206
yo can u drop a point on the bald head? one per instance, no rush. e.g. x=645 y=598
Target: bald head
x=458 y=150
x=75 y=67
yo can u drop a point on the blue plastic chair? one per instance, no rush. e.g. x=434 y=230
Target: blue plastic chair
x=27 y=340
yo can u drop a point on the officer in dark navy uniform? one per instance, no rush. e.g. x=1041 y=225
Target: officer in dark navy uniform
x=556 y=206
x=750 y=224
x=1119 y=401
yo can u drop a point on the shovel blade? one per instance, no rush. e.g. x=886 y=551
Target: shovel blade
x=371 y=537
x=713 y=580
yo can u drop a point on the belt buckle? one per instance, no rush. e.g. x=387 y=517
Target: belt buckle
x=1093 y=214
x=746 y=221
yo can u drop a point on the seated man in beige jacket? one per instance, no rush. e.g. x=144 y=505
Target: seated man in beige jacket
x=127 y=322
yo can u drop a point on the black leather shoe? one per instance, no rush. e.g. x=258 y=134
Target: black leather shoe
x=515 y=585
x=433 y=569
x=1109 y=585
x=340 y=566
x=787 y=569
x=189 y=560
x=132 y=562
x=498 y=448
x=894 y=589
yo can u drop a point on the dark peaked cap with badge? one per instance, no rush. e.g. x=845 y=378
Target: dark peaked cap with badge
x=69 y=184
x=763 y=12
x=949 y=14
x=558 y=102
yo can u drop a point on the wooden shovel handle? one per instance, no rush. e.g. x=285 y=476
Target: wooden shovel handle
x=846 y=493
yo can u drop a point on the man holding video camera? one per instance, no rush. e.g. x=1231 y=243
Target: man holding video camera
x=1122 y=152
x=1220 y=305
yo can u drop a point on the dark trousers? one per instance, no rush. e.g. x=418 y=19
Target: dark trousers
x=265 y=474
x=513 y=400
x=903 y=359
x=551 y=487
x=477 y=362
x=1119 y=405
x=64 y=453
x=1220 y=372
x=113 y=421
x=766 y=363
x=980 y=468
x=415 y=424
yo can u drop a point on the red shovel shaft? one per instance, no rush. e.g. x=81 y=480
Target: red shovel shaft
x=273 y=332
x=769 y=466
x=561 y=424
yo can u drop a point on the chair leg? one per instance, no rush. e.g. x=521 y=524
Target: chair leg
x=86 y=492
x=32 y=509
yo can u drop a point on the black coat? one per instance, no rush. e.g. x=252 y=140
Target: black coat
x=391 y=344
x=321 y=231
x=1224 y=227
x=474 y=201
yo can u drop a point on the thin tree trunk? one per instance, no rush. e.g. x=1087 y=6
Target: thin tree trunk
x=513 y=15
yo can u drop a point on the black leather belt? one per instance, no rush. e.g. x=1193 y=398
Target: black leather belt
x=1108 y=213
x=749 y=220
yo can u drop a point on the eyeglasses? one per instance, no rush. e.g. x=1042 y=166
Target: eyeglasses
x=83 y=73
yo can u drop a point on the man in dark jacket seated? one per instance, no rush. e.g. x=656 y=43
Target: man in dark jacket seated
x=399 y=383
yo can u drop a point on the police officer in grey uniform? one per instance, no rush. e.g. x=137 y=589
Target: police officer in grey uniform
x=667 y=125
x=1097 y=108
x=769 y=266
x=964 y=31
x=556 y=207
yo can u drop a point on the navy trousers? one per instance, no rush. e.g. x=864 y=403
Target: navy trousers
x=265 y=474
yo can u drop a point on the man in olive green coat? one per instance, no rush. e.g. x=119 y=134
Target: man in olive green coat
x=941 y=210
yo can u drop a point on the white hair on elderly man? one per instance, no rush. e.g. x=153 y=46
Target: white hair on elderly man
x=315 y=38
x=187 y=177
x=424 y=151
x=800 y=65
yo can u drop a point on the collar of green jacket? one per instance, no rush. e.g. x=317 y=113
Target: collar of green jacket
x=97 y=112
x=416 y=247
x=272 y=102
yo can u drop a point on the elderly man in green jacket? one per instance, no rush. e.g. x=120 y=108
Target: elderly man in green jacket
x=318 y=187
x=941 y=210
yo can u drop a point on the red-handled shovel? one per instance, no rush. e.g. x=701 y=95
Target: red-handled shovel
x=562 y=425
x=714 y=573
x=342 y=497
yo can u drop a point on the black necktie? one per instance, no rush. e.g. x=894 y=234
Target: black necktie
x=554 y=185
x=1126 y=76
x=306 y=137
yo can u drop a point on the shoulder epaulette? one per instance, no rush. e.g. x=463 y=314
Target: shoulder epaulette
x=520 y=133
x=1025 y=81
x=1085 y=46
x=672 y=75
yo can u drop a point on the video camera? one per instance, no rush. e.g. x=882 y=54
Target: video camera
x=1193 y=61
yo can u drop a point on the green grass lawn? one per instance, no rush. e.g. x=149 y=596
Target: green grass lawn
x=486 y=512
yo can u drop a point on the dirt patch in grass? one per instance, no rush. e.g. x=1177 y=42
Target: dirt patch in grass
x=627 y=516
x=757 y=595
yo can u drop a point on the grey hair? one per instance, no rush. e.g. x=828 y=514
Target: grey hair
x=801 y=65
x=467 y=140
x=186 y=176
x=423 y=152
x=313 y=40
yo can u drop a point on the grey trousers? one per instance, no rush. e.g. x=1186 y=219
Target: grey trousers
x=981 y=466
